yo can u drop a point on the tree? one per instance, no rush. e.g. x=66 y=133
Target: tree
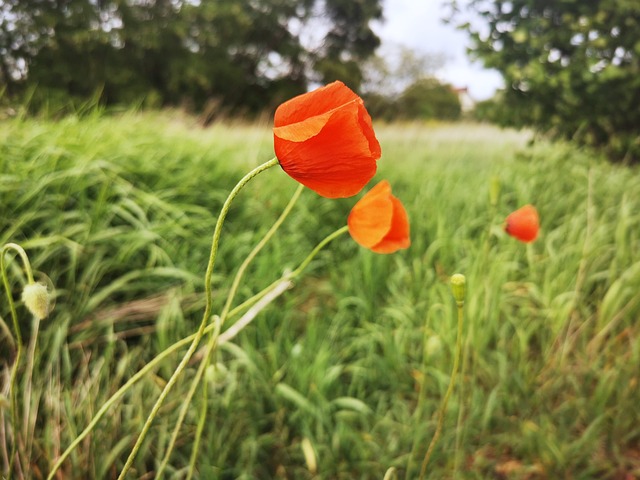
x=572 y=67
x=429 y=99
x=401 y=83
x=245 y=55
x=349 y=40
x=394 y=67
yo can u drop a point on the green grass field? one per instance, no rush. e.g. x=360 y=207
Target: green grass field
x=340 y=377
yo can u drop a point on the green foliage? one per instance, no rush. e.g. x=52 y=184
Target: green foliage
x=572 y=67
x=400 y=84
x=381 y=107
x=218 y=56
x=119 y=213
x=428 y=98
x=425 y=99
x=496 y=110
x=349 y=41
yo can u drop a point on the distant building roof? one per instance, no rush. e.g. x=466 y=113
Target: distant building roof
x=467 y=103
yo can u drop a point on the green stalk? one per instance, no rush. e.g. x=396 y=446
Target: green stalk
x=421 y=398
x=16 y=326
x=459 y=293
x=149 y=366
x=203 y=407
x=205 y=317
x=462 y=395
x=172 y=349
x=214 y=336
x=317 y=248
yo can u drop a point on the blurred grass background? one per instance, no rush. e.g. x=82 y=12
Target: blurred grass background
x=119 y=212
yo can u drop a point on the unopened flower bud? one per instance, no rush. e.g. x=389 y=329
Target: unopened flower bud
x=458 y=288
x=494 y=190
x=36 y=298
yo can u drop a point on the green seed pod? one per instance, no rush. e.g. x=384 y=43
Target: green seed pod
x=458 y=288
x=494 y=190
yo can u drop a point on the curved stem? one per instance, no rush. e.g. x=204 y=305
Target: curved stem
x=183 y=413
x=260 y=245
x=205 y=317
x=141 y=373
x=203 y=408
x=27 y=394
x=153 y=363
x=16 y=326
x=23 y=256
x=214 y=337
x=5 y=279
x=315 y=251
x=422 y=393
x=445 y=400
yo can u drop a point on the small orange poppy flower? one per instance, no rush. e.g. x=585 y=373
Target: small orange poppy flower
x=379 y=221
x=523 y=224
x=324 y=139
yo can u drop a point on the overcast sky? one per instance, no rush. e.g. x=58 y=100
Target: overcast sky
x=418 y=24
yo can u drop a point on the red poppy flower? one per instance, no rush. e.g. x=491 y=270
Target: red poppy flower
x=523 y=224
x=379 y=221
x=324 y=139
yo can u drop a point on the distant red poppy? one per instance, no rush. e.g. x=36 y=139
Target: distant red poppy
x=379 y=221
x=523 y=224
x=324 y=139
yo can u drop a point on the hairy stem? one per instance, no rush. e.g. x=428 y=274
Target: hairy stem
x=16 y=326
x=205 y=317
x=445 y=400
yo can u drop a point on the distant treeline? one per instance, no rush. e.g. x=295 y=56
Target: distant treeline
x=571 y=68
x=241 y=56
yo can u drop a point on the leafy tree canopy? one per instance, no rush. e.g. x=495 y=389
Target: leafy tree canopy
x=244 y=55
x=428 y=98
x=572 y=67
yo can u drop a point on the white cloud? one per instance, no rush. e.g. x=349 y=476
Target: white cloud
x=418 y=24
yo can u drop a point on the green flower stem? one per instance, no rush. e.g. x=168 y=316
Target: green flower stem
x=212 y=344
x=205 y=317
x=142 y=372
x=153 y=363
x=422 y=393
x=204 y=363
x=216 y=332
x=185 y=406
x=23 y=256
x=5 y=279
x=315 y=251
x=16 y=326
x=27 y=381
x=256 y=250
x=445 y=400
x=462 y=394
x=214 y=336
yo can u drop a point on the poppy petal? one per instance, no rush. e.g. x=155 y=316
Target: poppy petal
x=331 y=163
x=325 y=140
x=314 y=103
x=523 y=224
x=398 y=236
x=302 y=131
x=366 y=228
x=379 y=221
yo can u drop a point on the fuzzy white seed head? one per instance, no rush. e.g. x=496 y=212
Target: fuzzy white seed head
x=36 y=298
